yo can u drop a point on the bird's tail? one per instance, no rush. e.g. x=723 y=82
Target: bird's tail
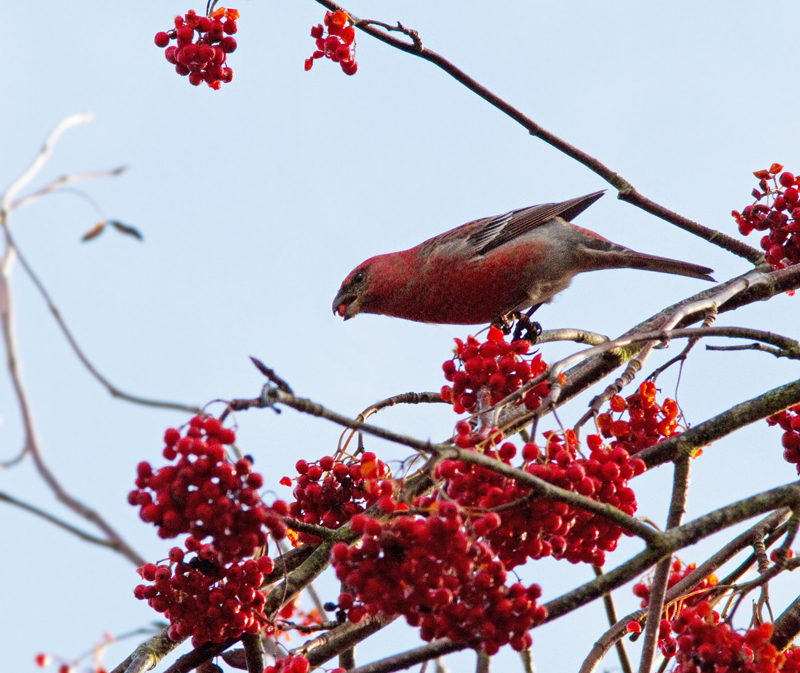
x=645 y=262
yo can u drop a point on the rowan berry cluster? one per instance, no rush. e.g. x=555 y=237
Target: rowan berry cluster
x=204 y=494
x=211 y=593
x=777 y=210
x=647 y=424
x=330 y=492
x=543 y=527
x=495 y=368
x=434 y=571
x=339 y=45
x=202 y=46
x=789 y=420
x=203 y=598
x=706 y=643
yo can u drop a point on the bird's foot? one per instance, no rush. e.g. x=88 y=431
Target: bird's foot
x=505 y=323
x=527 y=329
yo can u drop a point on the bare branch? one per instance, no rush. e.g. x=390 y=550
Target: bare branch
x=611 y=614
x=626 y=190
x=672 y=540
x=398 y=662
x=32 y=444
x=253 y=653
x=86 y=537
x=658 y=588
x=345 y=636
x=111 y=388
x=41 y=159
x=64 y=180
x=148 y=654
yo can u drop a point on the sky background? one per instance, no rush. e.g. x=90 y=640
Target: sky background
x=255 y=201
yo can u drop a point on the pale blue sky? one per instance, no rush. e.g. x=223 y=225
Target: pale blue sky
x=256 y=200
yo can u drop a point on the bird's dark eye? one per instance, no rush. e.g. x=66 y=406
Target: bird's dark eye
x=358 y=277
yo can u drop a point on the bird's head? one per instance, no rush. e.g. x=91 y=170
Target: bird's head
x=353 y=294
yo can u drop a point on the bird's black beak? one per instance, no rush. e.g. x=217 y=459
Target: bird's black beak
x=346 y=304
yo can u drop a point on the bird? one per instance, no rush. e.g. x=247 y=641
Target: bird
x=491 y=268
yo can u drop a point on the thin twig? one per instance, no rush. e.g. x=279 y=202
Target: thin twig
x=626 y=190
x=86 y=537
x=777 y=352
x=64 y=180
x=611 y=614
x=110 y=387
x=658 y=588
x=41 y=159
x=32 y=443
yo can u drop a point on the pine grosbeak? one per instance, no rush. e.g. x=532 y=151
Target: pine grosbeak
x=486 y=269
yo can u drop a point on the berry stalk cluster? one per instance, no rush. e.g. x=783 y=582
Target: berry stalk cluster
x=776 y=210
x=535 y=528
x=495 y=366
x=209 y=591
x=434 y=571
x=330 y=492
x=336 y=40
x=202 y=46
x=648 y=422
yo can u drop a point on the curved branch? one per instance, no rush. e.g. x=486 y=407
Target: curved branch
x=110 y=387
x=86 y=537
x=418 y=655
x=32 y=444
x=626 y=191
x=41 y=159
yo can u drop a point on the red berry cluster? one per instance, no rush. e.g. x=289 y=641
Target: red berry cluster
x=330 y=492
x=789 y=420
x=791 y=661
x=214 y=594
x=648 y=422
x=433 y=571
x=495 y=366
x=203 y=45
x=204 y=598
x=542 y=527
x=339 y=45
x=679 y=571
x=707 y=644
x=777 y=209
x=296 y=664
x=204 y=494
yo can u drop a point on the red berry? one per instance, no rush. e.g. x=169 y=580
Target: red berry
x=349 y=68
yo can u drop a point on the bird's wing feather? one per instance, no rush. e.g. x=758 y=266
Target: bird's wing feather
x=496 y=231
